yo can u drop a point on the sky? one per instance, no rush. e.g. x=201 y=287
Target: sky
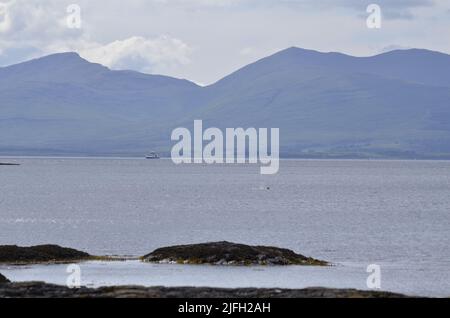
x=205 y=40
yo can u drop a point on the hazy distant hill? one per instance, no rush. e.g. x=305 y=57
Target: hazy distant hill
x=62 y=103
x=332 y=103
x=395 y=104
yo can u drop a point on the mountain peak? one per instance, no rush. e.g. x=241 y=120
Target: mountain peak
x=61 y=61
x=65 y=58
x=74 y=55
x=59 y=67
x=308 y=52
x=294 y=50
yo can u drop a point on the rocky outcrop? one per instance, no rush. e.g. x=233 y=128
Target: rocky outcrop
x=3 y=279
x=9 y=164
x=226 y=253
x=42 y=290
x=12 y=254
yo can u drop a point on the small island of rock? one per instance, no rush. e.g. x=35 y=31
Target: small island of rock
x=12 y=254
x=226 y=253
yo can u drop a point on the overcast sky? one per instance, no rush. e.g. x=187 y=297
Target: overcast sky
x=204 y=40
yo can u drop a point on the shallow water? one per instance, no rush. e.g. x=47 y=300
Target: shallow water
x=353 y=213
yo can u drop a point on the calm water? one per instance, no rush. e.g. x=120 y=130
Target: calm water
x=353 y=213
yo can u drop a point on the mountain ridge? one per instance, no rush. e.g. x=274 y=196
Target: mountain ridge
x=394 y=104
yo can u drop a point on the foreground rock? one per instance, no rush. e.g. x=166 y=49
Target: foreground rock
x=42 y=290
x=226 y=253
x=12 y=254
x=3 y=279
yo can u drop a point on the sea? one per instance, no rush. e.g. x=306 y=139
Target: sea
x=393 y=215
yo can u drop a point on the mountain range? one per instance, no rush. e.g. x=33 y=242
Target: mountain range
x=392 y=105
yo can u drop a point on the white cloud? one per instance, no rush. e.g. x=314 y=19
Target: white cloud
x=159 y=55
x=32 y=29
x=5 y=19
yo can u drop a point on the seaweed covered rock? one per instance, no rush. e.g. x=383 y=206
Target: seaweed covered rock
x=226 y=253
x=40 y=254
x=3 y=279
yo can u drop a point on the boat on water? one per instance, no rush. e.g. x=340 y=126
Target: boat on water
x=152 y=155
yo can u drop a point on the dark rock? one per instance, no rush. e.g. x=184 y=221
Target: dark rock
x=3 y=279
x=40 y=254
x=42 y=290
x=9 y=164
x=226 y=253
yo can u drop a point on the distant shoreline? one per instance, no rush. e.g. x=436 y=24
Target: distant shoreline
x=113 y=157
